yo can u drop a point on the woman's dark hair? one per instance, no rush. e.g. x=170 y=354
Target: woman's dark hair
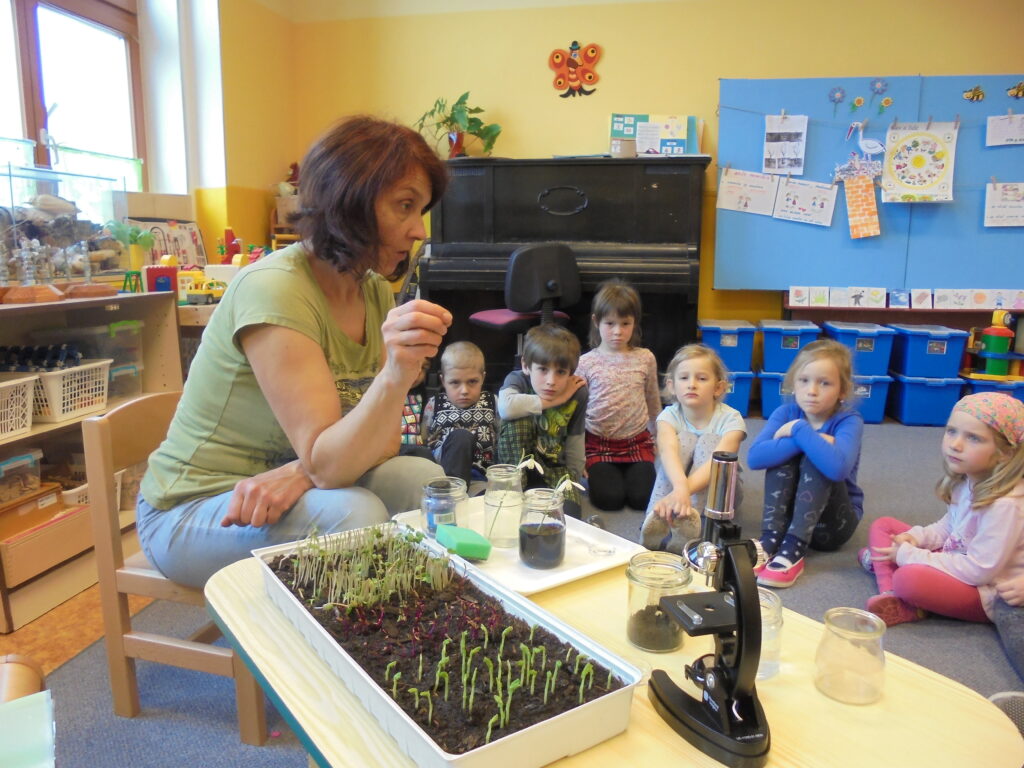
x=343 y=175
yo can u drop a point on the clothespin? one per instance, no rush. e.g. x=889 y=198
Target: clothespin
x=929 y=126
x=717 y=107
x=726 y=171
x=783 y=115
x=993 y=180
x=895 y=122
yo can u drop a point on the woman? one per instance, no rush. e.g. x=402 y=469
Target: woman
x=289 y=419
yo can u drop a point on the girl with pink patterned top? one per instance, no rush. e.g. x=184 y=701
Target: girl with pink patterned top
x=951 y=567
x=623 y=381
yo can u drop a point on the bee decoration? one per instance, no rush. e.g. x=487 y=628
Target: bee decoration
x=975 y=94
x=574 y=69
x=1017 y=91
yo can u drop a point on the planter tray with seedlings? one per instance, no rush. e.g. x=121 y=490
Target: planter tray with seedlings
x=459 y=670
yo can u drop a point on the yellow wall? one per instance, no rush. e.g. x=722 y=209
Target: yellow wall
x=658 y=57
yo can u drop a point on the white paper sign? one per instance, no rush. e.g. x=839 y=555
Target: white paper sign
x=1004 y=205
x=1004 y=129
x=921 y=298
x=785 y=137
x=819 y=296
x=747 y=192
x=648 y=138
x=918 y=165
x=811 y=202
x=799 y=296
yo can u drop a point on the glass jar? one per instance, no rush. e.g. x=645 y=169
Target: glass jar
x=850 y=663
x=652 y=576
x=503 y=505
x=771 y=633
x=444 y=502
x=542 y=529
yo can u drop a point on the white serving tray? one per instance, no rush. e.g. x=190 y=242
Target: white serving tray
x=588 y=550
x=542 y=743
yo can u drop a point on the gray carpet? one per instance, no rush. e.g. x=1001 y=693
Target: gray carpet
x=898 y=470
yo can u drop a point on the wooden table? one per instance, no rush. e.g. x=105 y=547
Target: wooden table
x=923 y=719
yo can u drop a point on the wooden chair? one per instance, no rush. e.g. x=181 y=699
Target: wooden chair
x=121 y=438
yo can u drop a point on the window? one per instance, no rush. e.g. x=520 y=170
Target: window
x=72 y=67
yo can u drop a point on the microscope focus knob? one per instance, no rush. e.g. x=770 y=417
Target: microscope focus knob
x=761 y=557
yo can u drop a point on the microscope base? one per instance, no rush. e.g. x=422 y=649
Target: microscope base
x=689 y=718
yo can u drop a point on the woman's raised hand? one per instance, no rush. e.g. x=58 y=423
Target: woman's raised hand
x=413 y=333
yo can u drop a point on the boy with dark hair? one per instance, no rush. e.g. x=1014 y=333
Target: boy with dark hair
x=542 y=410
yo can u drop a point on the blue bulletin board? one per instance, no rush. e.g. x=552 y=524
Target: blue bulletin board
x=921 y=245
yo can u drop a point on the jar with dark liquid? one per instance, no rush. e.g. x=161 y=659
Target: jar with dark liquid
x=542 y=529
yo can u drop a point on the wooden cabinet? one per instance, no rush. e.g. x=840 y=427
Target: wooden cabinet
x=161 y=372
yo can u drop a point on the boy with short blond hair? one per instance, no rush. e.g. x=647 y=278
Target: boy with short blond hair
x=459 y=422
x=542 y=409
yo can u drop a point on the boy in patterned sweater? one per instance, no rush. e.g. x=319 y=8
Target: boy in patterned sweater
x=459 y=422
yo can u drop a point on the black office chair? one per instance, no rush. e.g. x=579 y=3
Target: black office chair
x=540 y=278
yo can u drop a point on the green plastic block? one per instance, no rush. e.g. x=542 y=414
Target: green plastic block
x=464 y=542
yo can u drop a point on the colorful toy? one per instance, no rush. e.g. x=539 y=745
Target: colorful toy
x=991 y=353
x=208 y=292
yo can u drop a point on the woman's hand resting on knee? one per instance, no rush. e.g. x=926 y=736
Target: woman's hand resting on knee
x=264 y=498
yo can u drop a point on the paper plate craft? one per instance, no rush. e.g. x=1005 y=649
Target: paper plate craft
x=919 y=163
x=574 y=69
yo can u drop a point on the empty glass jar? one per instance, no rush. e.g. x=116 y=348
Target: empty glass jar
x=652 y=576
x=444 y=502
x=850 y=663
x=542 y=529
x=771 y=633
x=503 y=505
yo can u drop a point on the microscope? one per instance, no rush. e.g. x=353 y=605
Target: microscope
x=727 y=722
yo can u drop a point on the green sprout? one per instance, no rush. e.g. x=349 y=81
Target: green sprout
x=490 y=725
x=387 y=670
x=394 y=685
x=472 y=690
x=419 y=674
x=490 y=673
x=504 y=634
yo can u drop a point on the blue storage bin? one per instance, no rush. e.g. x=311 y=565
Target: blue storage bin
x=771 y=391
x=1012 y=388
x=869 y=394
x=732 y=339
x=870 y=344
x=928 y=351
x=922 y=401
x=738 y=393
x=783 y=339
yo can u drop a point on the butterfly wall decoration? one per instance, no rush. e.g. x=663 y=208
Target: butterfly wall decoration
x=574 y=69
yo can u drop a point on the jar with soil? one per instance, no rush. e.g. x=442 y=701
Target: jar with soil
x=652 y=576
x=542 y=529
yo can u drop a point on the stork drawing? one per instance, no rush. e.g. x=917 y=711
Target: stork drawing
x=868 y=147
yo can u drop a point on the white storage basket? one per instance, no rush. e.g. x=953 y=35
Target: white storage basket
x=72 y=392
x=80 y=495
x=16 y=403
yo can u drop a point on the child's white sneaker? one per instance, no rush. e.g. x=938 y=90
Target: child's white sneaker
x=653 y=531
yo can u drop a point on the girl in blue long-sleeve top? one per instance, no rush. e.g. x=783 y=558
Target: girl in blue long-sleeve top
x=810 y=451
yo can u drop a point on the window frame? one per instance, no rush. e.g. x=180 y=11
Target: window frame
x=119 y=16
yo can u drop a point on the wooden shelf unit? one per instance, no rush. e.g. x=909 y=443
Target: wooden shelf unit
x=161 y=373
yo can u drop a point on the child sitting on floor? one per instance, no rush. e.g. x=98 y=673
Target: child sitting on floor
x=951 y=566
x=542 y=410
x=460 y=422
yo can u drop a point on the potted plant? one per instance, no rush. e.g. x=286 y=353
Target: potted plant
x=456 y=121
x=135 y=239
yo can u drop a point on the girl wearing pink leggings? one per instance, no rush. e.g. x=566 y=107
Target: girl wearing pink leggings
x=950 y=567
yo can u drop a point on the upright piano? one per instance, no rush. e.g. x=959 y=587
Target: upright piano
x=637 y=219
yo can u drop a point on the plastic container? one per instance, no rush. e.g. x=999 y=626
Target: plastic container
x=19 y=473
x=125 y=381
x=923 y=401
x=849 y=665
x=732 y=339
x=1011 y=388
x=783 y=339
x=72 y=392
x=120 y=341
x=870 y=393
x=738 y=393
x=772 y=394
x=652 y=576
x=441 y=500
x=16 y=403
x=870 y=344
x=995 y=342
x=503 y=505
x=771 y=633
x=542 y=529
x=931 y=351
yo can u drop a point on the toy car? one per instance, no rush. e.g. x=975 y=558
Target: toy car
x=207 y=293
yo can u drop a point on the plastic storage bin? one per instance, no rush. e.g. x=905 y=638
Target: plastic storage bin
x=19 y=473
x=738 y=393
x=16 y=403
x=870 y=343
x=1011 y=388
x=72 y=392
x=120 y=341
x=772 y=395
x=125 y=381
x=869 y=396
x=783 y=339
x=928 y=351
x=923 y=401
x=732 y=339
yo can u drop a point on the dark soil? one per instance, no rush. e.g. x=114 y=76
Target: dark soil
x=408 y=637
x=652 y=629
x=542 y=545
